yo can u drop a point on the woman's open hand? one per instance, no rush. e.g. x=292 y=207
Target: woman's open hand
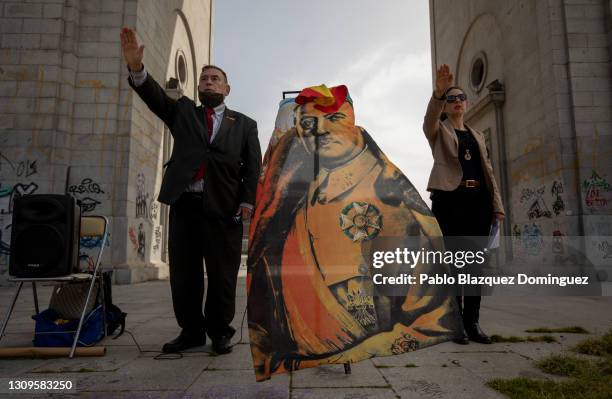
x=444 y=80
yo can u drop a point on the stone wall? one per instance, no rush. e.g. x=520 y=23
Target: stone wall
x=65 y=101
x=554 y=139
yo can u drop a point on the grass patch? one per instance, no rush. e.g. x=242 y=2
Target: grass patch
x=596 y=346
x=409 y=365
x=566 y=330
x=525 y=388
x=587 y=379
x=566 y=366
x=382 y=366
x=513 y=339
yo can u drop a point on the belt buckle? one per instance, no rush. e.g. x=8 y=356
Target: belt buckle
x=470 y=183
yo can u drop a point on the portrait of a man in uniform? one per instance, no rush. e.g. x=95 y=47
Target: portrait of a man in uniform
x=328 y=198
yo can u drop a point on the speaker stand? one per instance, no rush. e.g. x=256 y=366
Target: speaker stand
x=10 y=311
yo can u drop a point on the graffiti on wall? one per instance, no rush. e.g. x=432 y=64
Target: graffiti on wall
x=21 y=173
x=153 y=212
x=556 y=190
x=88 y=249
x=597 y=191
x=537 y=207
x=141 y=242
x=606 y=248
x=157 y=235
x=87 y=192
x=25 y=168
x=133 y=239
x=138 y=240
x=142 y=197
x=557 y=242
x=5 y=246
x=529 y=238
x=92 y=242
x=8 y=195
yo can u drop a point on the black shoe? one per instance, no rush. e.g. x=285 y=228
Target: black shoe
x=476 y=334
x=461 y=339
x=184 y=341
x=222 y=345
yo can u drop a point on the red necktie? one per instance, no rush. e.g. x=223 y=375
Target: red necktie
x=209 y=124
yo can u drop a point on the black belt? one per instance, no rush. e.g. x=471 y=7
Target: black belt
x=470 y=183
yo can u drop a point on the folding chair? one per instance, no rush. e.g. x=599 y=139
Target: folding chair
x=91 y=226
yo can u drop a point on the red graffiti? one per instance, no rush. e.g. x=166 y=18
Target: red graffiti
x=133 y=239
x=594 y=198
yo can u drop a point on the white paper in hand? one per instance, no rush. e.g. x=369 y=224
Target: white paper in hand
x=494 y=235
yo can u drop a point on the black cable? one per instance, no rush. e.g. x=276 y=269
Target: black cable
x=241 y=326
x=179 y=355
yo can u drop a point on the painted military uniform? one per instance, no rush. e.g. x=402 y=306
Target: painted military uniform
x=311 y=298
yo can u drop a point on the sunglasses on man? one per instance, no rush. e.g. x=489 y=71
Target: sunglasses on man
x=452 y=98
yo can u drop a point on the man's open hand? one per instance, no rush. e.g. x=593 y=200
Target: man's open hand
x=131 y=51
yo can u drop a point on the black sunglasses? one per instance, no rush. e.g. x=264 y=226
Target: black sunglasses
x=452 y=98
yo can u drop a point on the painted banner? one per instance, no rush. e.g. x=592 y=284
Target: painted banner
x=328 y=198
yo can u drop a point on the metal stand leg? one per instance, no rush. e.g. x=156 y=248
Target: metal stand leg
x=10 y=310
x=35 y=297
x=347 y=368
x=103 y=299
x=78 y=331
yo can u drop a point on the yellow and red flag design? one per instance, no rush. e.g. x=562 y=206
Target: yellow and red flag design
x=326 y=99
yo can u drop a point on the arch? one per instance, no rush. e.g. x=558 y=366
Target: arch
x=484 y=30
x=183 y=18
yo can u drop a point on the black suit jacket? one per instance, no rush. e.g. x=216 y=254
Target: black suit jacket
x=233 y=159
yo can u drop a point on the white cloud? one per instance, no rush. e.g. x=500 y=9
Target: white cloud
x=390 y=90
x=384 y=61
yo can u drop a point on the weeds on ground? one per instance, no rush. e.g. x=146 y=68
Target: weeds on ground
x=596 y=346
x=514 y=339
x=586 y=379
x=563 y=330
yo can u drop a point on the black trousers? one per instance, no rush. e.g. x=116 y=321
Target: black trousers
x=193 y=237
x=465 y=217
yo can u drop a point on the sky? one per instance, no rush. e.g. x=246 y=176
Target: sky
x=379 y=50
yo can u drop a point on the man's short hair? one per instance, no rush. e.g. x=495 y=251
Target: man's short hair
x=210 y=66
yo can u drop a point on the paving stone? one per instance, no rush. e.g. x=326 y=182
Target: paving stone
x=17 y=339
x=489 y=366
x=144 y=374
x=363 y=374
x=437 y=382
x=239 y=359
x=343 y=393
x=17 y=367
x=451 y=347
x=238 y=384
x=165 y=394
x=113 y=360
x=536 y=350
x=424 y=357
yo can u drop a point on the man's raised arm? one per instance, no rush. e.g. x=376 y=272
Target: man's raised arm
x=147 y=88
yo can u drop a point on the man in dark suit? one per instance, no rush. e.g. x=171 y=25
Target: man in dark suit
x=209 y=183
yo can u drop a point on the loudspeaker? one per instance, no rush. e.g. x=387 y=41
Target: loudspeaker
x=44 y=236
